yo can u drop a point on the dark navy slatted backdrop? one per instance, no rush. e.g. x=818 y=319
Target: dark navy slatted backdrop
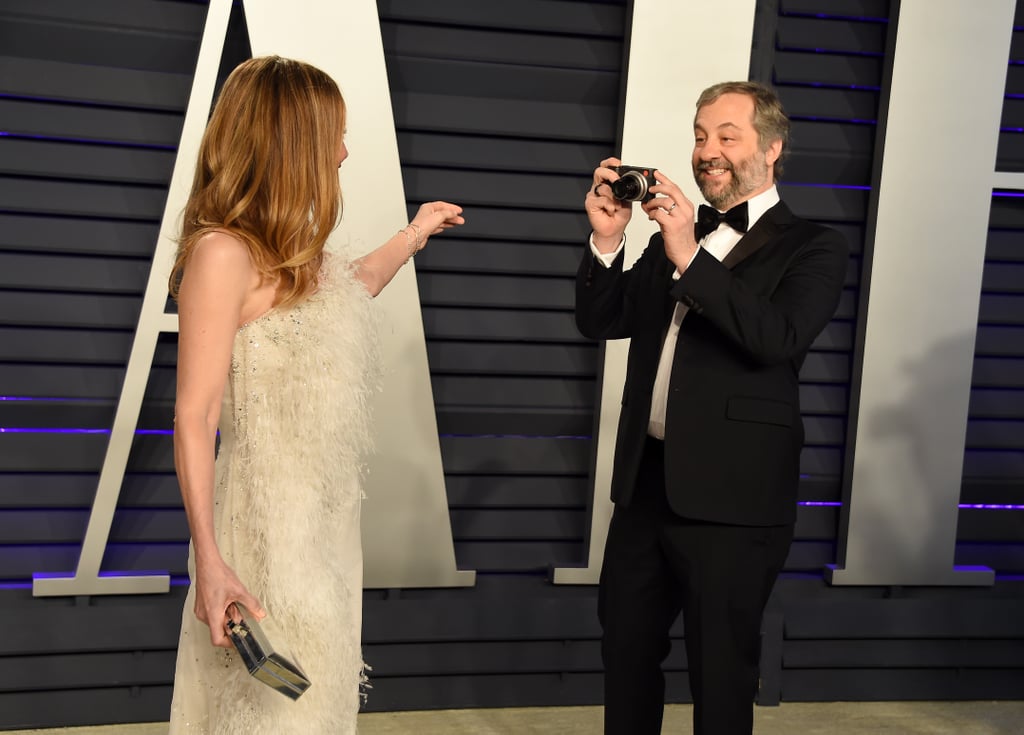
x=503 y=108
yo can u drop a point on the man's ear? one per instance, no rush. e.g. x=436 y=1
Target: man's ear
x=774 y=151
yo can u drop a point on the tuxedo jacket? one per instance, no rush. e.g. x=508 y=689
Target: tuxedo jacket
x=733 y=430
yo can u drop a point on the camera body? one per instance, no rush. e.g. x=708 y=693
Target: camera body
x=634 y=183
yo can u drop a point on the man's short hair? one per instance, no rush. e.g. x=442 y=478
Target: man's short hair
x=770 y=120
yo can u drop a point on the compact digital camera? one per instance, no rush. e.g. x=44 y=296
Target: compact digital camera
x=634 y=183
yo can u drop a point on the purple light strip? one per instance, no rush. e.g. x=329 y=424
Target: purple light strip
x=176 y=580
x=1010 y=194
x=21 y=430
x=827 y=186
x=832 y=51
x=825 y=85
x=512 y=436
x=817 y=118
x=962 y=506
x=828 y=16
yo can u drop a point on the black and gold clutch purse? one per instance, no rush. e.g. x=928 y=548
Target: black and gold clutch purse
x=273 y=667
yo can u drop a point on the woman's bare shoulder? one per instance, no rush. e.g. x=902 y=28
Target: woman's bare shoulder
x=219 y=248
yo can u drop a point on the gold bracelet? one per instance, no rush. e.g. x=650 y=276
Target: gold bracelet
x=419 y=236
x=410 y=243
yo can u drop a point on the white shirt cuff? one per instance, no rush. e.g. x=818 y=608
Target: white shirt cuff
x=606 y=258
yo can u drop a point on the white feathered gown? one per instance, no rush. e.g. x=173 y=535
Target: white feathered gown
x=293 y=434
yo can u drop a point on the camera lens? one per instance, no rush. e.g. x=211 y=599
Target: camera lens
x=632 y=187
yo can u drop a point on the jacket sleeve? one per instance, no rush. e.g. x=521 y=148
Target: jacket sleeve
x=606 y=298
x=781 y=325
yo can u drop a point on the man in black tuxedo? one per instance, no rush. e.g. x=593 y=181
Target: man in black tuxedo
x=720 y=315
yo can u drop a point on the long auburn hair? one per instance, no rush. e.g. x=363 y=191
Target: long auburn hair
x=267 y=172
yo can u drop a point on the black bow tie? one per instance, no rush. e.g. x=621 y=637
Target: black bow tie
x=709 y=218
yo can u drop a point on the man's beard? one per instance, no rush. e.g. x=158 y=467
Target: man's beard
x=747 y=177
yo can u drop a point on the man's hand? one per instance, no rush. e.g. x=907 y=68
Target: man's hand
x=608 y=216
x=674 y=214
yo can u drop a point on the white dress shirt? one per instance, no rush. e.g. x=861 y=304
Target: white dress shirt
x=718 y=243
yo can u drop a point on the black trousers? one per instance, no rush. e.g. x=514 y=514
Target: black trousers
x=656 y=565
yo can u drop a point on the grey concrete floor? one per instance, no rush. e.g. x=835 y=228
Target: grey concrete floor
x=791 y=718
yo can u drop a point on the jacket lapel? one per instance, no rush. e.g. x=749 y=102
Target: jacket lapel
x=766 y=229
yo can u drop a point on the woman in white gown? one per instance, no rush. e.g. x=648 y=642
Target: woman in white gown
x=276 y=348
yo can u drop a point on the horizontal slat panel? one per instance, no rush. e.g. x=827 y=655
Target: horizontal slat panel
x=515 y=456
x=476 y=290
x=536 y=326
x=993 y=464
x=80 y=452
x=82 y=414
x=1001 y=341
x=809 y=556
x=993 y=491
x=510 y=420
x=827 y=204
x=557 y=16
x=517 y=556
x=71 y=235
x=1010 y=151
x=996 y=403
x=21 y=562
x=81 y=381
x=1000 y=434
x=475 y=358
x=998 y=372
x=874 y=685
x=794 y=67
x=171 y=17
x=504 y=46
x=68 y=526
x=823 y=399
x=95 y=346
x=77 y=671
x=82 y=199
x=468 y=153
x=1004 y=245
x=125 y=704
x=541 y=617
x=504 y=491
x=521 y=190
x=822 y=168
x=826 y=367
x=495 y=256
x=492 y=657
x=152 y=49
x=816 y=523
x=512 y=391
x=49 y=490
x=990 y=525
x=496 y=223
x=85 y=162
x=1005 y=277
x=478 y=115
x=1005 y=558
x=99 y=124
x=885 y=654
x=904 y=619
x=822 y=102
x=73 y=273
x=832 y=139
x=519 y=525
x=863 y=9
x=1006 y=212
x=820 y=34
x=1001 y=309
